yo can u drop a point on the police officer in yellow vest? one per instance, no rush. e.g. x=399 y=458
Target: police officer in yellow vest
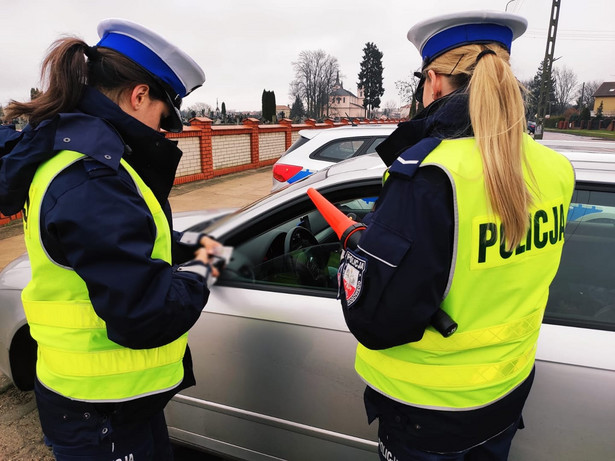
x=114 y=290
x=471 y=220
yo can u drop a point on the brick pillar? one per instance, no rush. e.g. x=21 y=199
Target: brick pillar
x=288 y=134
x=203 y=124
x=253 y=123
x=310 y=122
x=329 y=122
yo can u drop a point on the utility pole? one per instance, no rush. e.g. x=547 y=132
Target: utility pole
x=547 y=67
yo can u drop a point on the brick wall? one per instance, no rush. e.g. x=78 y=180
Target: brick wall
x=190 y=162
x=230 y=151
x=271 y=145
x=215 y=150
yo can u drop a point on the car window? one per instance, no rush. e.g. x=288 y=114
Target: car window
x=583 y=292
x=298 y=143
x=338 y=150
x=302 y=252
x=372 y=148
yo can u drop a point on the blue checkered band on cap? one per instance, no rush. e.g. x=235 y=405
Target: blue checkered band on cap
x=435 y=36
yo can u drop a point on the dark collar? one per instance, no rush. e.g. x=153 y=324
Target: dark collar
x=130 y=129
x=447 y=117
x=154 y=157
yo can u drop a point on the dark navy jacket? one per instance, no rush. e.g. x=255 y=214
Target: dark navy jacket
x=94 y=220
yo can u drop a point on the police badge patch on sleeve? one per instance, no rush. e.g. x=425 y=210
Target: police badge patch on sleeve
x=350 y=276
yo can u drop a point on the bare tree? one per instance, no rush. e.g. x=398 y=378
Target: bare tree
x=390 y=107
x=199 y=109
x=315 y=75
x=565 y=83
x=406 y=89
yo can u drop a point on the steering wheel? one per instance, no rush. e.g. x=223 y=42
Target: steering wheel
x=308 y=266
x=297 y=238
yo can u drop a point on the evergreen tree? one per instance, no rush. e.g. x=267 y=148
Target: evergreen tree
x=534 y=93
x=268 y=106
x=265 y=104
x=370 y=77
x=223 y=111
x=600 y=110
x=297 y=111
x=272 y=104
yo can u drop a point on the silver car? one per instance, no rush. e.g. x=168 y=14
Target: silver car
x=274 y=360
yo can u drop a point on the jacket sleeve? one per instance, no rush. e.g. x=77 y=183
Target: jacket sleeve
x=407 y=249
x=184 y=245
x=102 y=228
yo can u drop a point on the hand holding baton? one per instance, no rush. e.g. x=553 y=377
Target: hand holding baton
x=349 y=233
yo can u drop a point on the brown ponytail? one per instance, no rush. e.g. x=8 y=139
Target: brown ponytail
x=65 y=71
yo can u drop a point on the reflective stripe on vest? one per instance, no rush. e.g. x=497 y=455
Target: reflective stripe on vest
x=75 y=357
x=497 y=297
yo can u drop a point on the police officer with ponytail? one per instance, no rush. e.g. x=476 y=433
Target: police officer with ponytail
x=114 y=290
x=470 y=220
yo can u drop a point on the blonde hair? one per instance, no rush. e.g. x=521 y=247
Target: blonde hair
x=497 y=114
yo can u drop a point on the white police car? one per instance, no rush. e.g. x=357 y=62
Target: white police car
x=318 y=149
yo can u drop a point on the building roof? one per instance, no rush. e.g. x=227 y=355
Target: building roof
x=341 y=91
x=605 y=90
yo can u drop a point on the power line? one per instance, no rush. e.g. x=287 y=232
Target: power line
x=574 y=35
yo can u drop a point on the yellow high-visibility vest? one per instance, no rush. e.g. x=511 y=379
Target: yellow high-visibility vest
x=497 y=297
x=75 y=357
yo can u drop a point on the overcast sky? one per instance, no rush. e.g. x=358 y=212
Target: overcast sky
x=246 y=46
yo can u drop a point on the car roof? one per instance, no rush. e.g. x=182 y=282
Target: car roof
x=349 y=130
x=592 y=161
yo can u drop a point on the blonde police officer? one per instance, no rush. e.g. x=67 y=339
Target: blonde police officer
x=471 y=219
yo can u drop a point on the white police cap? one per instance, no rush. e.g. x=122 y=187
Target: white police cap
x=435 y=36
x=177 y=71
